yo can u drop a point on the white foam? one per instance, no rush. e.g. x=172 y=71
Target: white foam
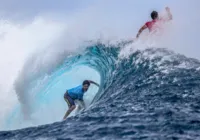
x=17 y=43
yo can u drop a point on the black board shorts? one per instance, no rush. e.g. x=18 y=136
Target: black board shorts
x=69 y=100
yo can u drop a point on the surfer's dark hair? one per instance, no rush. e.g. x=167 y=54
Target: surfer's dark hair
x=154 y=15
x=86 y=82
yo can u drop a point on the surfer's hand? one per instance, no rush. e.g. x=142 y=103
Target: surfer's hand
x=169 y=13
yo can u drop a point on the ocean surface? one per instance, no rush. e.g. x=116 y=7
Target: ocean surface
x=151 y=94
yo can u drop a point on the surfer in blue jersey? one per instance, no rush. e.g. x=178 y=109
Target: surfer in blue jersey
x=76 y=94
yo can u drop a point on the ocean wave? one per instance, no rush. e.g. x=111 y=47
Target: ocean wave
x=153 y=93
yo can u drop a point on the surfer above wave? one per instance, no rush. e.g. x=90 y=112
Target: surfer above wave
x=156 y=23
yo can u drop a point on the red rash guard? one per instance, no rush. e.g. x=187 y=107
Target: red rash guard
x=154 y=24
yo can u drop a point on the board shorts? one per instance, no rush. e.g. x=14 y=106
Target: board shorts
x=68 y=99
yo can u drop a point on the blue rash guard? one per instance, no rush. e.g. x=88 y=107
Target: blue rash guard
x=76 y=93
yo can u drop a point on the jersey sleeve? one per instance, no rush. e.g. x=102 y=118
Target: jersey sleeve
x=70 y=91
x=147 y=24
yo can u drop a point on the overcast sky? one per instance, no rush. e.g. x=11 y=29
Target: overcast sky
x=128 y=15
x=29 y=8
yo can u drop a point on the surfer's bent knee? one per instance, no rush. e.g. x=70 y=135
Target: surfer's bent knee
x=72 y=107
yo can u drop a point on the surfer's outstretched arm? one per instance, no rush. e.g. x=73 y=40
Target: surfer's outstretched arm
x=141 y=30
x=169 y=13
x=92 y=82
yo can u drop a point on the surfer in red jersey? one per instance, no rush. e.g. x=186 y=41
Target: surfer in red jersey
x=156 y=22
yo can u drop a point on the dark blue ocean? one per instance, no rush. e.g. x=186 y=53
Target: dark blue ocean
x=153 y=94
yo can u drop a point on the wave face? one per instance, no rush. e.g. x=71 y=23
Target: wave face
x=152 y=94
